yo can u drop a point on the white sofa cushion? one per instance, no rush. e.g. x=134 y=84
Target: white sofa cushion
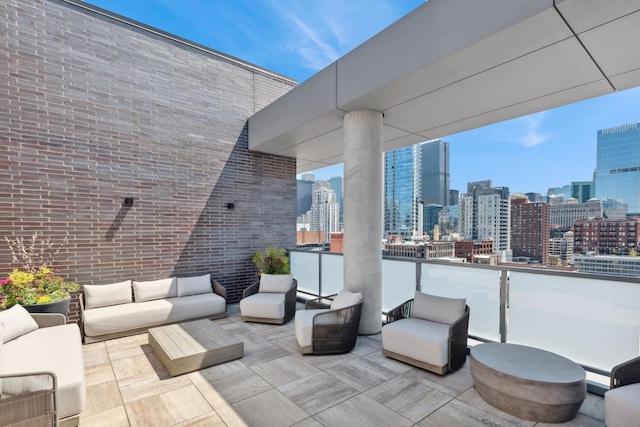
x=56 y=349
x=418 y=339
x=275 y=283
x=155 y=289
x=263 y=305
x=622 y=406
x=194 y=285
x=127 y=317
x=15 y=322
x=304 y=325
x=105 y=295
x=437 y=309
x=345 y=298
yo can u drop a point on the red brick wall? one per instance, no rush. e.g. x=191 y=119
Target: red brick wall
x=95 y=110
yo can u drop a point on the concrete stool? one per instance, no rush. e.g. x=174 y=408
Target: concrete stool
x=528 y=382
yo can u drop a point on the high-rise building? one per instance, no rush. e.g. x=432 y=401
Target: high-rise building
x=454 y=196
x=304 y=194
x=324 y=212
x=402 y=204
x=337 y=185
x=434 y=172
x=431 y=218
x=485 y=214
x=564 y=214
x=583 y=190
x=618 y=165
x=534 y=197
x=530 y=230
x=561 y=248
x=559 y=194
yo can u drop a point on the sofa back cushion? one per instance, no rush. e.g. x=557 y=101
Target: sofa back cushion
x=437 y=309
x=275 y=283
x=155 y=289
x=15 y=322
x=105 y=295
x=345 y=298
x=194 y=285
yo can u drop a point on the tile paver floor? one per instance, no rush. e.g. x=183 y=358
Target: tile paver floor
x=274 y=385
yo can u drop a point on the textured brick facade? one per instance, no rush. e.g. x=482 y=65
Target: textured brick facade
x=95 y=110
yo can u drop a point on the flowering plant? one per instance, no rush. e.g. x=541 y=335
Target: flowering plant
x=34 y=282
x=272 y=260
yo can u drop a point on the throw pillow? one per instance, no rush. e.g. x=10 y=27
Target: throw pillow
x=437 y=309
x=155 y=289
x=275 y=283
x=15 y=322
x=345 y=298
x=194 y=285
x=105 y=295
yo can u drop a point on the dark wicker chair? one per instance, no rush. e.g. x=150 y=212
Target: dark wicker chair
x=333 y=331
x=457 y=343
x=289 y=304
x=35 y=407
x=623 y=389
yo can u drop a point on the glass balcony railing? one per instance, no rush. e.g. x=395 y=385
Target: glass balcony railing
x=593 y=320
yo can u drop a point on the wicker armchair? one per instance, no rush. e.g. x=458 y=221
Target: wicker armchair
x=418 y=340
x=324 y=329
x=268 y=307
x=622 y=401
x=29 y=399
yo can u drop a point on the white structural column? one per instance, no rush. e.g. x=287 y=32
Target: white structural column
x=363 y=213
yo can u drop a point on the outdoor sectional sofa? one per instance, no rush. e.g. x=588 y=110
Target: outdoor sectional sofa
x=40 y=358
x=131 y=307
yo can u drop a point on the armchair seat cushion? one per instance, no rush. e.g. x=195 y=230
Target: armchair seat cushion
x=418 y=339
x=304 y=326
x=263 y=305
x=622 y=406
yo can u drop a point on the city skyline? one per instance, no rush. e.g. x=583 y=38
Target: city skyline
x=298 y=39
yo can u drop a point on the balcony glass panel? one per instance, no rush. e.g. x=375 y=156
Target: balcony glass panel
x=593 y=322
x=398 y=282
x=332 y=274
x=480 y=287
x=305 y=269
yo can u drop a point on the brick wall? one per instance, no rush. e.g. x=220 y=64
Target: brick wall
x=95 y=110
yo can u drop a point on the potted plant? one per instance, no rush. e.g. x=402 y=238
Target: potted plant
x=272 y=260
x=34 y=284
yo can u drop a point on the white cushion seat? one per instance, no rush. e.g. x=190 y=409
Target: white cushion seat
x=417 y=339
x=622 y=406
x=263 y=305
x=56 y=349
x=125 y=317
x=304 y=325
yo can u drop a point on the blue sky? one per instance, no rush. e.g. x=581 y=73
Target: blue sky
x=297 y=38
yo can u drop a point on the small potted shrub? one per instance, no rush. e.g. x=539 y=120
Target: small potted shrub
x=272 y=260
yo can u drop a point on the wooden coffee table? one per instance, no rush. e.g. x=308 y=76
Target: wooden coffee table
x=190 y=346
x=528 y=382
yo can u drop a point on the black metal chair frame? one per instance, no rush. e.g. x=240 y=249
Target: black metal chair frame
x=289 y=304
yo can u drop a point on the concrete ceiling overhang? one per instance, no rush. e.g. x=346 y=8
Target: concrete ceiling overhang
x=455 y=65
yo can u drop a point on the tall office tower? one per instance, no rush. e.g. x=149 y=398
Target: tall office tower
x=485 y=214
x=337 y=185
x=530 y=229
x=324 y=212
x=583 y=190
x=564 y=214
x=454 y=196
x=308 y=177
x=559 y=194
x=402 y=208
x=431 y=219
x=304 y=194
x=487 y=183
x=618 y=165
x=435 y=175
x=534 y=197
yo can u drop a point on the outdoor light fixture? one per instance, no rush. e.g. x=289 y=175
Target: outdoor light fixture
x=128 y=202
x=231 y=205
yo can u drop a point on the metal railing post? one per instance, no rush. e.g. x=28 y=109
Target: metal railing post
x=319 y=274
x=504 y=305
x=418 y=276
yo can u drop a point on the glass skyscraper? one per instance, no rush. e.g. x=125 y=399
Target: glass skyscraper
x=402 y=207
x=618 y=165
x=435 y=172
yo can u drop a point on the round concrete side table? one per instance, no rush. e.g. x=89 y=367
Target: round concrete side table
x=528 y=382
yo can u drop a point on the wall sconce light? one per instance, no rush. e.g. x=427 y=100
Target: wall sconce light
x=128 y=202
x=231 y=205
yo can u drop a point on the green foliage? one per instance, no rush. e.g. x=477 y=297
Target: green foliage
x=273 y=260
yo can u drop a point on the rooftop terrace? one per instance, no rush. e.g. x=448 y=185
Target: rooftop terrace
x=274 y=385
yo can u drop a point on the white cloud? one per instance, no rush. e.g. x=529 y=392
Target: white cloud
x=530 y=130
